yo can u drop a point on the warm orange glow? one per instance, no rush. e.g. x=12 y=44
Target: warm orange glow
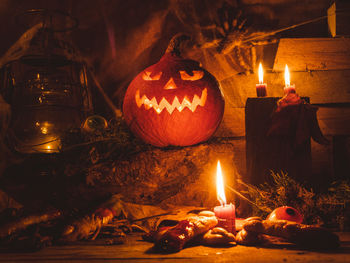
x=82 y=77
x=196 y=75
x=170 y=84
x=44 y=126
x=48 y=144
x=147 y=75
x=286 y=77
x=44 y=130
x=261 y=74
x=220 y=185
x=164 y=104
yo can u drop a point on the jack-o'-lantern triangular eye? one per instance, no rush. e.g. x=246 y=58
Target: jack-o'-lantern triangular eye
x=196 y=75
x=147 y=75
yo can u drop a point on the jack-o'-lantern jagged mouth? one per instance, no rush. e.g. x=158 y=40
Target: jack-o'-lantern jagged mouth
x=170 y=107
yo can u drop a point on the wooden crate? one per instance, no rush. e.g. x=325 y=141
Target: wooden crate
x=271 y=153
x=339 y=18
x=307 y=54
x=320 y=69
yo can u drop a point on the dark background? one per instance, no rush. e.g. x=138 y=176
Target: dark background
x=120 y=38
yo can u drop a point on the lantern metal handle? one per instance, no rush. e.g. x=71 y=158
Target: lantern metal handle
x=54 y=20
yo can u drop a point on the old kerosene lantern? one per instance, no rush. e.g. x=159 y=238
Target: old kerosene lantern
x=45 y=82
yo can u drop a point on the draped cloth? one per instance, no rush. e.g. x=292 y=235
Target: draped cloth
x=297 y=120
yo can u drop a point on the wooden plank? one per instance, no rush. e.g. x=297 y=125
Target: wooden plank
x=331 y=19
x=322 y=163
x=331 y=163
x=304 y=54
x=341 y=156
x=338 y=16
x=136 y=250
x=321 y=86
x=178 y=175
x=334 y=120
x=232 y=124
x=272 y=153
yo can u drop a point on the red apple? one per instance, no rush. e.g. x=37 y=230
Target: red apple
x=285 y=213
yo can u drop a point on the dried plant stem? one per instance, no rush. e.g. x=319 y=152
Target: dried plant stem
x=107 y=99
x=284 y=29
x=119 y=221
x=22 y=223
x=88 y=143
x=243 y=197
x=150 y=217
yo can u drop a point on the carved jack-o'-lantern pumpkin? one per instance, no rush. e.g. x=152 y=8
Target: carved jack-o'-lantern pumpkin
x=173 y=102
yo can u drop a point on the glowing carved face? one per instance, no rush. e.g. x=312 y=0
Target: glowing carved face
x=186 y=102
x=173 y=102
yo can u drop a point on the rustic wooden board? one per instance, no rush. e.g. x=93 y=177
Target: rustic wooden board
x=232 y=123
x=320 y=86
x=334 y=120
x=341 y=157
x=339 y=18
x=272 y=153
x=324 y=88
x=331 y=19
x=178 y=175
x=321 y=160
x=304 y=54
x=135 y=250
x=173 y=175
x=329 y=90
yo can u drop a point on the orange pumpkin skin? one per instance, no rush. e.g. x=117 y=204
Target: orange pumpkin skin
x=173 y=102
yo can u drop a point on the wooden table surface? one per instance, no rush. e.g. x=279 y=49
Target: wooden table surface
x=136 y=250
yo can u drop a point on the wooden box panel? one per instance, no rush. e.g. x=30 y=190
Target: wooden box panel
x=305 y=54
x=265 y=154
x=339 y=18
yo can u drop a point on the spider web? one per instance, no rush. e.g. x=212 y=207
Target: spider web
x=201 y=20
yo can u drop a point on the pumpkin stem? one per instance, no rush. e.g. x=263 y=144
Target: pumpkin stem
x=176 y=44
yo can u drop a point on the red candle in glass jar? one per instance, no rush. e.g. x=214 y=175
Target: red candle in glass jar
x=261 y=87
x=288 y=88
x=225 y=214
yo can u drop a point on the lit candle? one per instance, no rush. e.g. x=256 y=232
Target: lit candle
x=288 y=88
x=261 y=87
x=225 y=213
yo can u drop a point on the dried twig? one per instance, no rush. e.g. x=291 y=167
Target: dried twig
x=283 y=29
x=245 y=198
x=23 y=223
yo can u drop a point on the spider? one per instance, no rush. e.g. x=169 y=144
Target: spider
x=231 y=35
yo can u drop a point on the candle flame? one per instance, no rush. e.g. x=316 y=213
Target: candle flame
x=220 y=185
x=286 y=77
x=261 y=74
